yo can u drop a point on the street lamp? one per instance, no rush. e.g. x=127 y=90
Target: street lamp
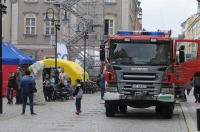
x=57 y=27
x=89 y=28
x=2 y=11
x=85 y=37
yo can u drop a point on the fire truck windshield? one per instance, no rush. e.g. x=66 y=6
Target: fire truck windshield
x=140 y=54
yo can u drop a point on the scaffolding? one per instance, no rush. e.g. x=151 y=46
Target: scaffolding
x=89 y=12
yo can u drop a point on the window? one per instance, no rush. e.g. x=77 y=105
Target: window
x=50 y=28
x=30 y=26
x=50 y=0
x=30 y=23
x=87 y=0
x=30 y=0
x=109 y=26
x=109 y=1
x=194 y=31
x=190 y=50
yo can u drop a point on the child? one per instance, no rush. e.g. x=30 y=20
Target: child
x=46 y=89
x=78 y=92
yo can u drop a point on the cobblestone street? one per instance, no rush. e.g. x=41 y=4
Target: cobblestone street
x=59 y=116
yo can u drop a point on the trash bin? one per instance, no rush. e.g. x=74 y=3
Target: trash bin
x=198 y=119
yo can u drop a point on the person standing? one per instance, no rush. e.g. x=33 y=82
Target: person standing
x=10 y=87
x=25 y=84
x=18 y=76
x=63 y=75
x=52 y=84
x=197 y=87
x=102 y=85
x=46 y=89
x=78 y=92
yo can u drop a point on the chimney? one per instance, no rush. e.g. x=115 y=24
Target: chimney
x=198 y=9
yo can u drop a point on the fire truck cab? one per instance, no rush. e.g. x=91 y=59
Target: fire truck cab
x=143 y=69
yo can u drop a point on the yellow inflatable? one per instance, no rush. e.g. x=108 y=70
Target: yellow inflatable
x=72 y=69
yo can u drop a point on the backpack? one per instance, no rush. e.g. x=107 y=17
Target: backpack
x=80 y=93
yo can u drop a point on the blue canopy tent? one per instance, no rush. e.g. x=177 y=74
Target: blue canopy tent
x=13 y=56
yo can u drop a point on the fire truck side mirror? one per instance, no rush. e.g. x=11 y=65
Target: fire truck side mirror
x=173 y=60
x=182 y=54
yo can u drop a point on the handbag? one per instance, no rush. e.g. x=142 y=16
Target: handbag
x=33 y=88
x=80 y=93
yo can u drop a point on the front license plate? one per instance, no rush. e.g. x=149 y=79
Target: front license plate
x=139 y=86
x=138 y=93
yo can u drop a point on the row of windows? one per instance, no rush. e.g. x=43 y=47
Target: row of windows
x=106 y=1
x=37 y=0
x=196 y=30
x=30 y=27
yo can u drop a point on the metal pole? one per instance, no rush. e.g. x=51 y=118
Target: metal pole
x=56 y=53
x=198 y=119
x=1 y=77
x=85 y=36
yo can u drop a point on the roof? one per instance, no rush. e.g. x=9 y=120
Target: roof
x=13 y=56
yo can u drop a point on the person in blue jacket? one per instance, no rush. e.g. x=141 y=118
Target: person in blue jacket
x=25 y=84
x=102 y=85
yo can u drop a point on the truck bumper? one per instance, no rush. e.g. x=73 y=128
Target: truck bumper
x=112 y=96
x=165 y=97
x=160 y=97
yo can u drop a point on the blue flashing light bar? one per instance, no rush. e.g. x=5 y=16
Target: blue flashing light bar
x=153 y=33
x=126 y=33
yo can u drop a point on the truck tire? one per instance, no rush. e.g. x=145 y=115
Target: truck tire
x=168 y=110
x=123 y=108
x=110 y=109
x=168 y=114
x=158 y=109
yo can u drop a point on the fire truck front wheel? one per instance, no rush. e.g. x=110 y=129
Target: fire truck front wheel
x=168 y=110
x=110 y=109
x=158 y=109
x=123 y=108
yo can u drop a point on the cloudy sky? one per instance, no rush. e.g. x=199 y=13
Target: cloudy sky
x=167 y=14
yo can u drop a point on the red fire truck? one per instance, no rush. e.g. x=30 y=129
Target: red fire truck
x=144 y=69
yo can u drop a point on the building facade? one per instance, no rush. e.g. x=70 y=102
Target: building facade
x=23 y=25
x=191 y=30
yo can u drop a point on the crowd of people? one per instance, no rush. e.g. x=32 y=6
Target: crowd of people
x=21 y=80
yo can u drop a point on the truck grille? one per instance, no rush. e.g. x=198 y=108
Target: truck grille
x=131 y=82
x=139 y=76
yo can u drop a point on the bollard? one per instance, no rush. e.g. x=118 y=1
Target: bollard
x=198 y=119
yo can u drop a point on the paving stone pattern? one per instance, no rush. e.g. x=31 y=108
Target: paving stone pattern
x=59 y=116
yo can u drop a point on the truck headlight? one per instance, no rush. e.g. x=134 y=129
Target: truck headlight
x=167 y=91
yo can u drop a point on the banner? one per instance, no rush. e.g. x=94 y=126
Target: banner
x=62 y=51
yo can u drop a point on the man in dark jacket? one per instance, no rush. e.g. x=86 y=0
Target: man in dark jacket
x=25 y=84
x=197 y=87
x=18 y=76
x=78 y=92
x=10 y=87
